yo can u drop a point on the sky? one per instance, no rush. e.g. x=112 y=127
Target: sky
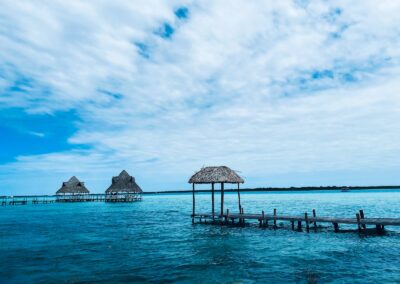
x=287 y=93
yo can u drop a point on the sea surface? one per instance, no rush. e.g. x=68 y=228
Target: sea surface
x=154 y=241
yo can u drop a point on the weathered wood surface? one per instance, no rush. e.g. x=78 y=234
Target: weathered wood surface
x=266 y=217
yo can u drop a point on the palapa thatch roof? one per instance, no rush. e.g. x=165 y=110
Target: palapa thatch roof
x=73 y=186
x=216 y=174
x=124 y=183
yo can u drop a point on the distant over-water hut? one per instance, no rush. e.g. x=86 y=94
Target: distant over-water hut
x=73 y=190
x=215 y=175
x=123 y=188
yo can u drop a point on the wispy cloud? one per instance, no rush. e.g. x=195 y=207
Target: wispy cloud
x=269 y=88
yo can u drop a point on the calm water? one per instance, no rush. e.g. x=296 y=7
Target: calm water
x=154 y=241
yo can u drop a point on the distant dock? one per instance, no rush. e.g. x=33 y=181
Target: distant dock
x=19 y=200
x=24 y=200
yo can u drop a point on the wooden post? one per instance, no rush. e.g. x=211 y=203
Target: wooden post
x=306 y=219
x=212 y=201
x=274 y=218
x=299 y=225
x=336 y=227
x=362 y=217
x=240 y=206
x=263 y=218
x=227 y=216
x=380 y=228
x=292 y=223
x=222 y=199
x=242 y=216
x=358 y=222
x=194 y=205
x=314 y=214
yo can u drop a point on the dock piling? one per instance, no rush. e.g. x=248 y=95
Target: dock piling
x=306 y=220
x=314 y=214
x=336 y=227
x=358 y=222
x=299 y=225
x=263 y=218
x=362 y=217
x=242 y=216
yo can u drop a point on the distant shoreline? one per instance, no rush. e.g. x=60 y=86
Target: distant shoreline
x=243 y=190
x=272 y=189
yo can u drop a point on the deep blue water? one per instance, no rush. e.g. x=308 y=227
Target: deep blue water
x=154 y=241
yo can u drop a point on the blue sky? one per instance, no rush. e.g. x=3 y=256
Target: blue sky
x=288 y=93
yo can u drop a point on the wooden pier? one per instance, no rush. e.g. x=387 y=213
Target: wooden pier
x=4 y=201
x=13 y=200
x=123 y=198
x=80 y=198
x=223 y=174
x=42 y=201
x=298 y=222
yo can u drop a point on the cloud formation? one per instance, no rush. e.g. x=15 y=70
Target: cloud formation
x=161 y=88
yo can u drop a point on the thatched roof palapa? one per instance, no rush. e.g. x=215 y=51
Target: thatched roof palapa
x=220 y=174
x=73 y=186
x=124 y=183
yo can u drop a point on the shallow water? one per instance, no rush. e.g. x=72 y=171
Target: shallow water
x=154 y=241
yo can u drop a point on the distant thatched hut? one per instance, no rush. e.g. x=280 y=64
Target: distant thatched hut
x=123 y=188
x=214 y=175
x=72 y=190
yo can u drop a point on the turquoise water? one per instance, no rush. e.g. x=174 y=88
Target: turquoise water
x=154 y=241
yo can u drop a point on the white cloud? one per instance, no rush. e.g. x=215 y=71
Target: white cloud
x=233 y=85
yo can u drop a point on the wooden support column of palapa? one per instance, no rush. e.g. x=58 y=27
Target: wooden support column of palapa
x=194 y=206
x=240 y=206
x=222 y=199
x=212 y=200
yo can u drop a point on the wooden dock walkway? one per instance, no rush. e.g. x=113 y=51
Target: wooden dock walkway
x=18 y=202
x=301 y=221
x=22 y=200
x=42 y=201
